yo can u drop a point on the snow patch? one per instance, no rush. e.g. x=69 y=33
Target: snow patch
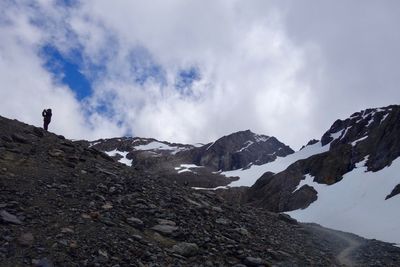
x=309 y=180
x=210 y=146
x=384 y=117
x=211 y=189
x=160 y=146
x=336 y=135
x=359 y=140
x=357 y=204
x=198 y=145
x=123 y=154
x=261 y=138
x=187 y=168
x=94 y=143
x=249 y=143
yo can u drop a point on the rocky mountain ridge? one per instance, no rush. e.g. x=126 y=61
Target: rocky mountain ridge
x=372 y=134
x=65 y=204
x=181 y=162
x=234 y=151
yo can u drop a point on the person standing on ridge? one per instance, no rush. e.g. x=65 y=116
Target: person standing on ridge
x=46 y=118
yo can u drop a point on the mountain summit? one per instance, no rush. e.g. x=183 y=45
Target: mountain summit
x=346 y=180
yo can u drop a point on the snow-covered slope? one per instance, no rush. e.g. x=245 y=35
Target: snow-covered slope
x=354 y=186
x=357 y=204
x=250 y=175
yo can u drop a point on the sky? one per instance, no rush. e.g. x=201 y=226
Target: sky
x=191 y=71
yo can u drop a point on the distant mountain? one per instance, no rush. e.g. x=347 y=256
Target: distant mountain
x=348 y=180
x=239 y=150
x=195 y=165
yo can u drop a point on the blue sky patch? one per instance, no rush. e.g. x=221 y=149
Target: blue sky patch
x=185 y=79
x=68 y=3
x=144 y=68
x=67 y=70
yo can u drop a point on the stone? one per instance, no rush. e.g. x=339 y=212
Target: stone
x=287 y=218
x=19 y=139
x=56 y=153
x=103 y=254
x=94 y=215
x=6 y=138
x=66 y=230
x=134 y=221
x=73 y=244
x=44 y=263
x=38 y=132
x=222 y=221
x=243 y=231
x=251 y=261
x=165 y=229
x=26 y=239
x=8 y=217
x=166 y=222
x=217 y=209
x=85 y=216
x=107 y=206
x=186 y=249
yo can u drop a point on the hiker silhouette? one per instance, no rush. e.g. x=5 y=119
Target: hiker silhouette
x=46 y=118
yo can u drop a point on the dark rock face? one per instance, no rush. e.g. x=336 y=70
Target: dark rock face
x=373 y=133
x=395 y=191
x=238 y=150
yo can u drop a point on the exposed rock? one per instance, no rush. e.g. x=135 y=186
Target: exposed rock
x=26 y=239
x=371 y=133
x=186 y=249
x=394 y=192
x=134 y=221
x=251 y=261
x=166 y=222
x=287 y=218
x=164 y=228
x=8 y=217
x=19 y=138
x=56 y=153
x=223 y=221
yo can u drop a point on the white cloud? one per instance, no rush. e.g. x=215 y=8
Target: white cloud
x=27 y=88
x=270 y=66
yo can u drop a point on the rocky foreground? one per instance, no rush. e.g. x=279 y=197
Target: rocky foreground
x=64 y=204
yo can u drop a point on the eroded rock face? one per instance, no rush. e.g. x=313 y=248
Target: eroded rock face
x=372 y=134
x=238 y=150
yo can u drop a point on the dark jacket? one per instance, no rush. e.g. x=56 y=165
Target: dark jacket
x=47 y=115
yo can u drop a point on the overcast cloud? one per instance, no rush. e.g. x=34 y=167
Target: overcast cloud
x=192 y=71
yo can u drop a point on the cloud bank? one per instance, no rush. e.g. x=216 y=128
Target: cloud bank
x=192 y=71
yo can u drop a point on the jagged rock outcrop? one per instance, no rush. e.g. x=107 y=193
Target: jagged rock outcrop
x=238 y=150
x=372 y=134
